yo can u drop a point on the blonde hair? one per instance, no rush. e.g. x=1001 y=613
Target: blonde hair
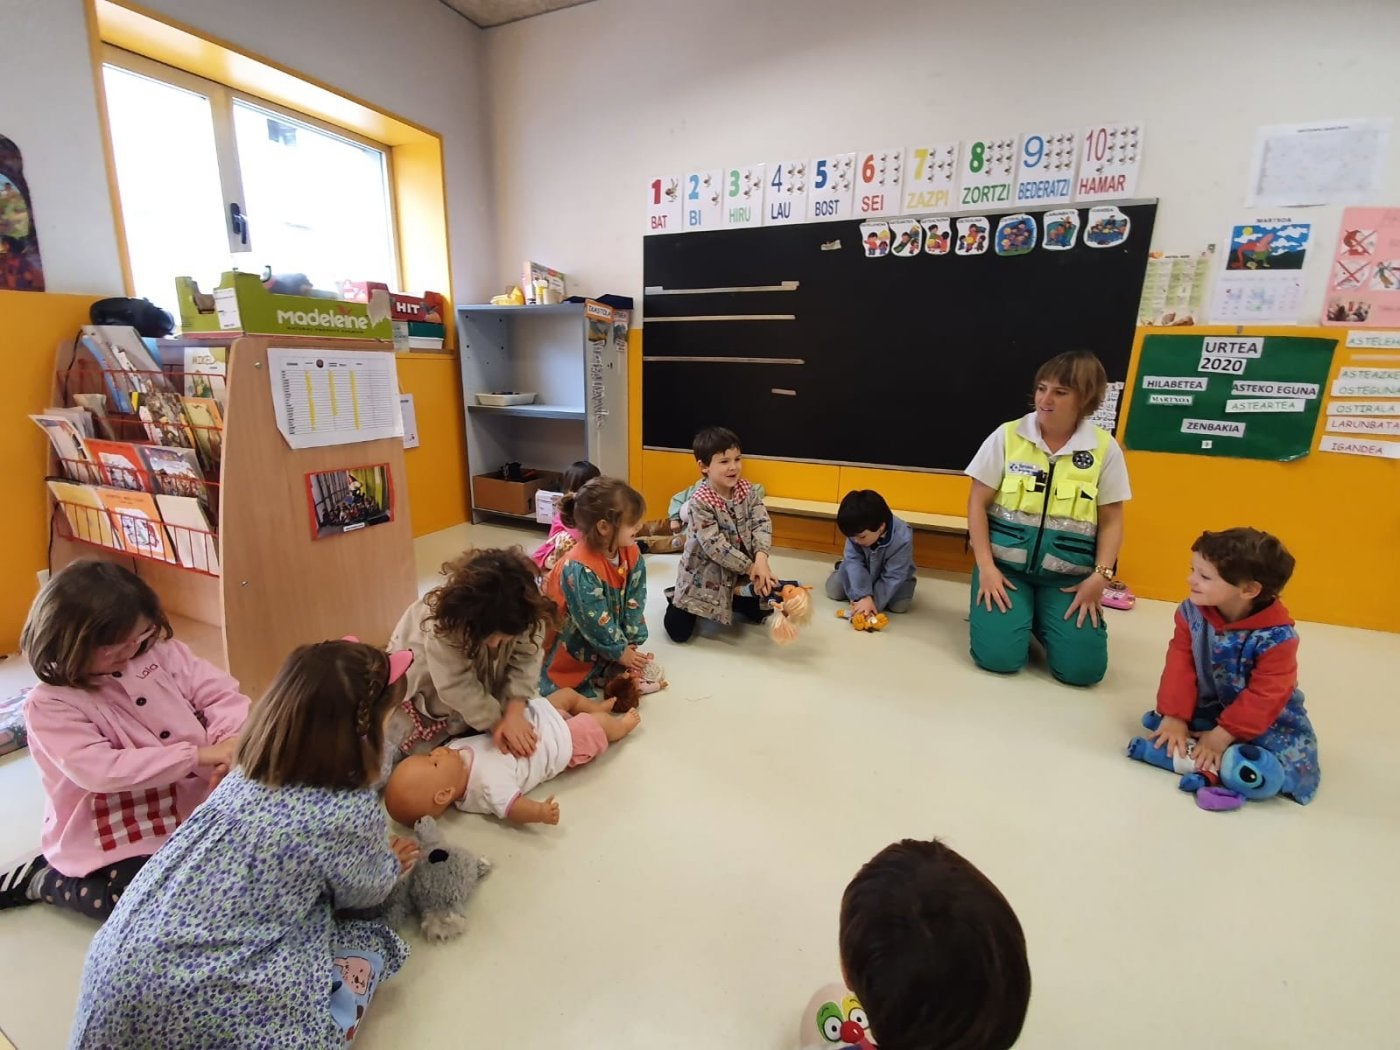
x=609 y=500
x=321 y=722
x=87 y=605
x=1080 y=371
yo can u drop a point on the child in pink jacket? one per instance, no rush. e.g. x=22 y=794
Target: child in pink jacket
x=129 y=731
x=563 y=537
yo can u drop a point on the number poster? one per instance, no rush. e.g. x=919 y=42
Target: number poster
x=1040 y=167
x=1243 y=397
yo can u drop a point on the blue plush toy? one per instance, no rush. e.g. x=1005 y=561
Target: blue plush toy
x=1248 y=772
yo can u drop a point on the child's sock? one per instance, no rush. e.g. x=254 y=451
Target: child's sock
x=20 y=885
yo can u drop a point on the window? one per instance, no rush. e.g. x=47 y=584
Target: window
x=212 y=179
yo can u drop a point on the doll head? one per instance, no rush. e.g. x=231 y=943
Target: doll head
x=625 y=690
x=792 y=609
x=425 y=785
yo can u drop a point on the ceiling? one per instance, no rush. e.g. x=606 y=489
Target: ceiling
x=487 y=13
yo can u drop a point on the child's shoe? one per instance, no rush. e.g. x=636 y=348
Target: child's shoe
x=1117 y=596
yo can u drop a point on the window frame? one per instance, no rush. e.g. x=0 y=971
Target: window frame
x=221 y=102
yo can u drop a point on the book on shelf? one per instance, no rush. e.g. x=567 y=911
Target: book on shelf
x=137 y=523
x=188 y=526
x=207 y=426
x=119 y=464
x=164 y=418
x=67 y=442
x=175 y=471
x=205 y=370
x=85 y=512
x=96 y=407
x=128 y=364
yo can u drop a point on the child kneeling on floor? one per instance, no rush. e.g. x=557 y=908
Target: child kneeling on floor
x=729 y=539
x=933 y=953
x=876 y=572
x=477 y=778
x=1232 y=665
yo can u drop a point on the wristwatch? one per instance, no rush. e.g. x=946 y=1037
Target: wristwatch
x=1106 y=571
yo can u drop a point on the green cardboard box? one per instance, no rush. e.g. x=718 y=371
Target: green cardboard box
x=241 y=304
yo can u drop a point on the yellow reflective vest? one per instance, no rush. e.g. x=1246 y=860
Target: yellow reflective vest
x=1045 y=516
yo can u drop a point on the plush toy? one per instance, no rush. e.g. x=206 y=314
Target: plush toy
x=438 y=887
x=792 y=608
x=861 y=622
x=1247 y=772
x=834 y=1020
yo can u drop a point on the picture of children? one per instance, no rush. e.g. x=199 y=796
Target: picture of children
x=346 y=500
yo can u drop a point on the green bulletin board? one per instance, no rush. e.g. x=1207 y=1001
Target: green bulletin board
x=1242 y=397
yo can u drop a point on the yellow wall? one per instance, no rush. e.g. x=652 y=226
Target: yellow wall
x=437 y=469
x=1339 y=515
x=32 y=324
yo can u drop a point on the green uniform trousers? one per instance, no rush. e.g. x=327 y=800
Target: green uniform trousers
x=1001 y=640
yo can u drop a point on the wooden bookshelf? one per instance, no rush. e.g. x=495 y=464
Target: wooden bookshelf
x=278 y=588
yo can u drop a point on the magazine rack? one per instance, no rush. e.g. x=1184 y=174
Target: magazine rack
x=268 y=585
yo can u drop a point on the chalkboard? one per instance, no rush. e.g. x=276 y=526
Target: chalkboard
x=902 y=362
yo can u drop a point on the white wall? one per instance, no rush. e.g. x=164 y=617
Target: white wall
x=589 y=103
x=415 y=58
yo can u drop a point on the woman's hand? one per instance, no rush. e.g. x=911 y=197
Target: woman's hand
x=992 y=587
x=1171 y=734
x=407 y=850
x=513 y=734
x=1087 y=595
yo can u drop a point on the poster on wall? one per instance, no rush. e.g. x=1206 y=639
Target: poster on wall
x=833 y=182
x=1239 y=397
x=1333 y=162
x=743 y=196
x=664 y=204
x=703 y=208
x=349 y=500
x=879 y=181
x=21 y=269
x=1110 y=157
x=1045 y=172
x=931 y=183
x=1363 y=284
x=989 y=171
x=785 y=195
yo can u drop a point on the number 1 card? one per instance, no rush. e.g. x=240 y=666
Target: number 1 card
x=664 y=204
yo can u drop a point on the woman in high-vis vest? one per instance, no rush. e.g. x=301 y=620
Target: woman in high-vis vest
x=1045 y=520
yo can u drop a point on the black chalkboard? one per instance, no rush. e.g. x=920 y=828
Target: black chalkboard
x=905 y=362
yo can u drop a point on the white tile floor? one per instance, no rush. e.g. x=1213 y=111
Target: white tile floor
x=689 y=896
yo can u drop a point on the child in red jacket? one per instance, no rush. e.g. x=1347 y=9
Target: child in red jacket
x=1232 y=666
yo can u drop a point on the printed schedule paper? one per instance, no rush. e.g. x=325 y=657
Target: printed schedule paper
x=334 y=397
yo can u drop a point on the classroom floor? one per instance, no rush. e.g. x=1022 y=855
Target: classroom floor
x=688 y=899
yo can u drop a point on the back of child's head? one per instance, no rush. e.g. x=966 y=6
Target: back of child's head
x=1080 y=371
x=492 y=591
x=321 y=722
x=603 y=501
x=863 y=510
x=1243 y=555
x=87 y=605
x=577 y=474
x=712 y=441
x=933 y=951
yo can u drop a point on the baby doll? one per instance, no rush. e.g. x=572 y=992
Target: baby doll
x=475 y=776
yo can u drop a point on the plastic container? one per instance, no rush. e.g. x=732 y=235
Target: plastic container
x=502 y=400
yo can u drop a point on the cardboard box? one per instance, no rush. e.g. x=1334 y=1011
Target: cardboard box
x=493 y=492
x=546 y=505
x=241 y=304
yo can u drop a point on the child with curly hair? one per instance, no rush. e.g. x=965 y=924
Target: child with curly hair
x=477 y=643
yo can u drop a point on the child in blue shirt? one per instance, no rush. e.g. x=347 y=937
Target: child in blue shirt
x=877 y=572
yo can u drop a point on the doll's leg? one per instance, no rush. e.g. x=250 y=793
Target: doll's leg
x=572 y=702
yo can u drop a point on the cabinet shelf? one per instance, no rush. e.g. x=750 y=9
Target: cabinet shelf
x=533 y=411
x=523 y=311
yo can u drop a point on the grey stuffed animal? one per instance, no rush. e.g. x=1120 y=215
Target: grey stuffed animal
x=438 y=887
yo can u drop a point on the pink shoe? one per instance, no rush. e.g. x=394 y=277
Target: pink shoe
x=1117 y=596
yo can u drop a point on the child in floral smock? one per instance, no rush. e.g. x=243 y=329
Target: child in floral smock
x=600 y=587
x=229 y=936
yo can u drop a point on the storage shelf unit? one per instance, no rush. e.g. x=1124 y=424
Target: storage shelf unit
x=575 y=362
